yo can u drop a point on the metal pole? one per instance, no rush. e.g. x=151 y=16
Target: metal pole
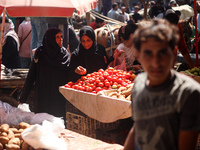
x=1 y=42
x=196 y=33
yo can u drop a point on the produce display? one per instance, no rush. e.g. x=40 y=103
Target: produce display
x=122 y=93
x=192 y=72
x=103 y=80
x=10 y=137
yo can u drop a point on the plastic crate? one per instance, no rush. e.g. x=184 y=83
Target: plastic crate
x=86 y=125
x=72 y=109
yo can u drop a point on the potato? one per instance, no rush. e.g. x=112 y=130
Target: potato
x=4 y=134
x=128 y=98
x=15 y=141
x=4 y=140
x=20 y=130
x=130 y=85
x=127 y=92
x=122 y=97
x=14 y=130
x=112 y=94
x=4 y=128
x=16 y=126
x=24 y=146
x=23 y=125
x=121 y=89
x=1 y=146
x=11 y=134
x=12 y=147
x=18 y=135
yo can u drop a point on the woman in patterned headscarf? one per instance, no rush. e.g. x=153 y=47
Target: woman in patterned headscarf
x=49 y=70
x=89 y=55
x=10 y=45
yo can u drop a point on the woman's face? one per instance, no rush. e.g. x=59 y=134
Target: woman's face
x=86 y=41
x=59 y=39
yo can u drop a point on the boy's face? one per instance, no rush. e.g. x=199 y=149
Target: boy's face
x=157 y=60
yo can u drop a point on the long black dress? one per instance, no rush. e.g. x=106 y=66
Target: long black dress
x=92 y=59
x=49 y=70
x=10 y=54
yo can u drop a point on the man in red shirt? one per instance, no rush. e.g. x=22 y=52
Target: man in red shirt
x=97 y=23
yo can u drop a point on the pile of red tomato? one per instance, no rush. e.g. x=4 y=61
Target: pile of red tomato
x=103 y=80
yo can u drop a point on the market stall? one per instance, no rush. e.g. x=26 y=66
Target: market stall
x=27 y=130
x=11 y=83
x=99 y=113
x=98 y=106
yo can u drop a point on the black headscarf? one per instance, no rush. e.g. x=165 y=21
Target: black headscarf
x=88 y=31
x=51 y=51
x=92 y=59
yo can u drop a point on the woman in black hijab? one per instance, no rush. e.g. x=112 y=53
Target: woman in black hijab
x=49 y=70
x=89 y=56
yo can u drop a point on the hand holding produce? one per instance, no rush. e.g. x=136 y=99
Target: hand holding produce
x=80 y=70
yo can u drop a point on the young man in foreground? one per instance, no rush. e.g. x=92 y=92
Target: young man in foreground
x=166 y=104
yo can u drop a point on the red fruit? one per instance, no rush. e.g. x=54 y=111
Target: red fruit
x=70 y=83
x=107 y=84
x=100 y=84
x=100 y=70
x=105 y=75
x=83 y=78
x=98 y=81
x=67 y=86
x=98 y=89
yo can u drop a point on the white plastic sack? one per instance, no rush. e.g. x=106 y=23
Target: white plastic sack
x=4 y=109
x=18 y=116
x=24 y=107
x=45 y=136
x=2 y=115
x=40 y=117
x=7 y=107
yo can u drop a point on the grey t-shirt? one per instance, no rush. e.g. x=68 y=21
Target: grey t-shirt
x=161 y=112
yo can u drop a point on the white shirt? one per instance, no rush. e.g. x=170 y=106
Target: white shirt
x=130 y=53
x=126 y=16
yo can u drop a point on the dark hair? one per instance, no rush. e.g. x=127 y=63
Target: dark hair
x=98 y=20
x=159 y=29
x=160 y=2
x=172 y=18
x=114 y=5
x=166 y=7
x=126 y=31
x=178 y=12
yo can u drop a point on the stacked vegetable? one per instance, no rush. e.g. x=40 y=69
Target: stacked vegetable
x=10 y=137
x=192 y=72
x=103 y=80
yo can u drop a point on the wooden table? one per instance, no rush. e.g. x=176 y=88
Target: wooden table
x=76 y=141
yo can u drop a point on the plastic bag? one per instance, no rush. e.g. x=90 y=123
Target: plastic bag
x=118 y=63
x=2 y=115
x=4 y=109
x=18 y=116
x=40 y=117
x=24 y=107
x=45 y=136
